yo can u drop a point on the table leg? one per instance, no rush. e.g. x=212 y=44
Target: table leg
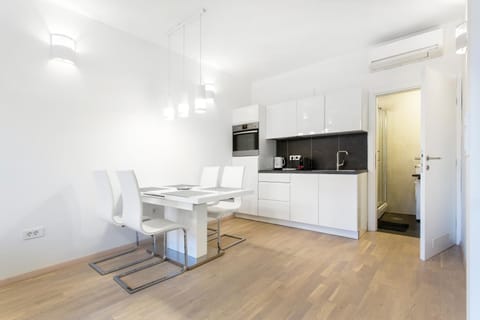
x=196 y=224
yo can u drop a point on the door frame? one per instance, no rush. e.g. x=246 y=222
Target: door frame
x=372 y=142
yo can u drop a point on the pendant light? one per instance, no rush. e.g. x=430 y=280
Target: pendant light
x=183 y=108
x=201 y=95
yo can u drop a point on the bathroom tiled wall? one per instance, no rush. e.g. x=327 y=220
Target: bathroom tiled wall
x=323 y=150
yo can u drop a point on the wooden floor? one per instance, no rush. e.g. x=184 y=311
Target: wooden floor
x=278 y=273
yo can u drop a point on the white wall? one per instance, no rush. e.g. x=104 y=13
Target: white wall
x=60 y=122
x=473 y=160
x=403 y=146
x=351 y=70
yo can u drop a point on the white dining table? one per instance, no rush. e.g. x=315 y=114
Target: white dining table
x=189 y=208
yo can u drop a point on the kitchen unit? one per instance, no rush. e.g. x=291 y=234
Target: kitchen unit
x=250 y=181
x=339 y=111
x=248 y=130
x=329 y=201
x=245 y=139
x=281 y=120
x=274 y=195
x=310 y=116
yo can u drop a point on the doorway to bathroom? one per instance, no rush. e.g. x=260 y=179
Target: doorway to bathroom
x=398 y=150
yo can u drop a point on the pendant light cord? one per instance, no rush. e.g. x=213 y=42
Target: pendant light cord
x=200 y=41
x=168 y=73
x=183 y=59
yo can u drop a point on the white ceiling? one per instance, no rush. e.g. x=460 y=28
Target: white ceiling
x=259 y=38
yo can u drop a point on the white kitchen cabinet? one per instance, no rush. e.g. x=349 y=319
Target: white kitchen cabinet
x=346 y=110
x=330 y=203
x=281 y=121
x=274 y=195
x=338 y=201
x=274 y=191
x=274 y=177
x=310 y=115
x=245 y=115
x=304 y=198
x=274 y=209
x=250 y=181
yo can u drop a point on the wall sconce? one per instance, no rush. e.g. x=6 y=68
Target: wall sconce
x=461 y=38
x=63 y=48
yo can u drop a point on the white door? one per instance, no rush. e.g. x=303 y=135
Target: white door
x=282 y=120
x=345 y=111
x=304 y=198
x=310 y=115
x=338 y=201
x=250 y=181
x=438 y=180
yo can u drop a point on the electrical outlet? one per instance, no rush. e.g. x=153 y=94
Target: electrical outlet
x=33 y=233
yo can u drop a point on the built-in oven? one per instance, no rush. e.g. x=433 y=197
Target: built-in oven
x=245 y=139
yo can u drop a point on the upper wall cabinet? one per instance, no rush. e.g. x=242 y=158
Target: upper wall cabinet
x=338 y=111
x=281 y=120
x=310 y=115
x=244 y=115
x=346 y=110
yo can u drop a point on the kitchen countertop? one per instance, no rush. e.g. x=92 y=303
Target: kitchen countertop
x=314 y=171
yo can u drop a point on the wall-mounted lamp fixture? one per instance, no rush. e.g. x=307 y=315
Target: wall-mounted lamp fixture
x=63 y=48
x=461 y=39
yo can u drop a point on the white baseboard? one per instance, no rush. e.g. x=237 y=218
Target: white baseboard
x=332 y=231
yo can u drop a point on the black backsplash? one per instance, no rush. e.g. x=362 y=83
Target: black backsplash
x=323 y=150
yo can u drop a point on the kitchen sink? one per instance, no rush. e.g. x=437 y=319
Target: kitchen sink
x=335 y=171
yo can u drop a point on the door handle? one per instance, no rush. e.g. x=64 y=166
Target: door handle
x=433 y=158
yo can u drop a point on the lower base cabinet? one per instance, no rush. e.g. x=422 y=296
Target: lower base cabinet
x=249 y=202
x=331 y=203
x=304 y=198
x=338 y=197
x=274 y=209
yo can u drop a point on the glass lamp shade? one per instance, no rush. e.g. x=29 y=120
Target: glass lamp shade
x=169 y=113
x=209 y=92
x=461 y=40
x=63 y=48
x=200 y=100
x=183 y=109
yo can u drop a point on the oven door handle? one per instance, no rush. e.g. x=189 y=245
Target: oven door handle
x=245 y=132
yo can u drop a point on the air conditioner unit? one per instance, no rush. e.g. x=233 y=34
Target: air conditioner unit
x=415 y=48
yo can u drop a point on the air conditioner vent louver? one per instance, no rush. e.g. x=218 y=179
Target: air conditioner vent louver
x=412 y=49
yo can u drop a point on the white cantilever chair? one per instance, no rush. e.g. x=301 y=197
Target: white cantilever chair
x=209 y=177
x=106 y=207
x=132 y=217
x=232 y=177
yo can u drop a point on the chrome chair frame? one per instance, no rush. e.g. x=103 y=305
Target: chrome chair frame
x=164 y=258
x=95 y=264
x=219 y=240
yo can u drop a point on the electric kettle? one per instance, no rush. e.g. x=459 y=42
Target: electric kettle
x=278 y=163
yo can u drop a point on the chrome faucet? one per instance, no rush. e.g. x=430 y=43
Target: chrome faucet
x=338 y=159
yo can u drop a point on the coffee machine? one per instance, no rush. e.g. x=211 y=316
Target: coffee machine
x=299 y=162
